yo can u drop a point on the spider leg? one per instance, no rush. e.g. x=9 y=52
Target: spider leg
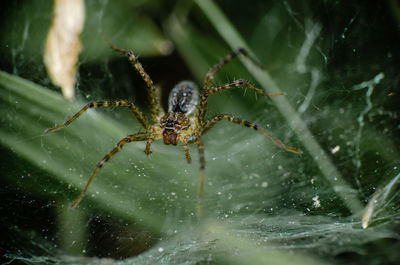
x=202 y=169
x=210 y=74
x=154 y=93
x=215 y=119
x=202 y=107
x=197 y=140
x=118 y=103
x=202 y=111
x=117 y=148
x=148 y=144
x=238 y=83
x=186 y=147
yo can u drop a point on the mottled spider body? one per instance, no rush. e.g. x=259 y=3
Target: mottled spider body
x=174 y=126
x=186 y=120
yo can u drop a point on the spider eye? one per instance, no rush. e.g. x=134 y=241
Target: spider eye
x=183 y=98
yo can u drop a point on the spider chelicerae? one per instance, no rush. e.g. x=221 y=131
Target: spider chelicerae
x=186 y=120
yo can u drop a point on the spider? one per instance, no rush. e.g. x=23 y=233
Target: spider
x=186 y=120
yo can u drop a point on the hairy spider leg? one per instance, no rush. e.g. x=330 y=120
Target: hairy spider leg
x=148 y=144
x=212 y=90
x=187 y=153
x=210 y=74
x=154 y=93
x=217 y=118
x=118 y=103
x=197 y=140
x=202 y=108
x=117 y=148
x=238 y=83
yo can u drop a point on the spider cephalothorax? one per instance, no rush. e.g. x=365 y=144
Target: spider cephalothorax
x=172 y=125
x=179 y=124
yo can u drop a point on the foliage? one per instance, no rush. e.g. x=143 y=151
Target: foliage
x=335 y=61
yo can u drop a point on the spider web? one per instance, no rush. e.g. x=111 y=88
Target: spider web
x=337 y=63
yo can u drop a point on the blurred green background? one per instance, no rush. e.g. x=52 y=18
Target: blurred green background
x=338 y=63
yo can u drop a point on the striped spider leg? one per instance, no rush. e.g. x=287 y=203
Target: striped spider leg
x=130 y=138
x=208 y=89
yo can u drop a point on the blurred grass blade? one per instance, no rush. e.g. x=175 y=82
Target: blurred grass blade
x=379 y=201
x=234 y=40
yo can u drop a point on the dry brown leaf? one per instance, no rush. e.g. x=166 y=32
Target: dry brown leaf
x=63 y=44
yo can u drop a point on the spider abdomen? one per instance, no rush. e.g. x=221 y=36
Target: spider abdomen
x=183 y=98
